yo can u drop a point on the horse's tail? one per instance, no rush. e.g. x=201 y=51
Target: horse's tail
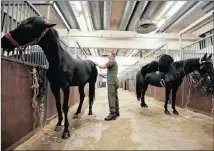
x=138 y=85
x=92 y=82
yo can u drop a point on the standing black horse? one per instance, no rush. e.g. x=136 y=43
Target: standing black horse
x=203 y=65
x=63 y=72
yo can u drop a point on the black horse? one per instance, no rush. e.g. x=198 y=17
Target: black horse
x=203 y=65
x=63 y=72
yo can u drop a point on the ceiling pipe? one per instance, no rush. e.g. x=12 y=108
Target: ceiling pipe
x=95 y=11
x=188 y=14
x=208 y=7
x=130 y=5
x=177 y=15
x=151 y=9
x=68 y=14
x=107 y=14
x=161 y=6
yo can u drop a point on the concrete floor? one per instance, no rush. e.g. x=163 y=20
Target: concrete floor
x=137 y=128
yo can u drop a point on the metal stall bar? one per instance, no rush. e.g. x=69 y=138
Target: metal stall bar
x=12 y=22
x=12 y=13
x=83 y=51
x=145 y=56
x=2 y=13
x=34 y=9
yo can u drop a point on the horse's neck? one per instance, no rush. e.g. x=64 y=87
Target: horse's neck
x=52 y=50
x=191 y=65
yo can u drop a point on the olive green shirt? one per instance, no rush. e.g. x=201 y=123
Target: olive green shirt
x=112 y=72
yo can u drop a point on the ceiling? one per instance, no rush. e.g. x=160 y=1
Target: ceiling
x=120 y=16
x=144 y=17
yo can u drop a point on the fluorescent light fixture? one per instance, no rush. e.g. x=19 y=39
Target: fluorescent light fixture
x=82 y=18
x=90 y=27
x=175 y=8
x=166 y=8
x=86 y=10
x=78 y=6
x=60 y=14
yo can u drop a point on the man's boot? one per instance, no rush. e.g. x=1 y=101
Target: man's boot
x=111 y=116
x=117 y=113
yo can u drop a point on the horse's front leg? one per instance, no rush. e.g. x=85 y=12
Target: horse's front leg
x=167 y=92
x=66 y=133
x=56 y=92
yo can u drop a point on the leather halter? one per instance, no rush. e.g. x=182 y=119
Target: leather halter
x=13 y=41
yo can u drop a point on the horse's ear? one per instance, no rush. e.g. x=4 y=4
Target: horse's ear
x=204 y=57
x=210 y=56
x=48 y=25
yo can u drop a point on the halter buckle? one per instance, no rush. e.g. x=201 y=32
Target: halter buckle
x=36 y=40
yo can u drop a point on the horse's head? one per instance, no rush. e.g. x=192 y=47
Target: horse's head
x=29 y=32
x=206 y=65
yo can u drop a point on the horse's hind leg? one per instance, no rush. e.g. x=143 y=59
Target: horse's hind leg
x=143 y=104
x=91 y=96
x=167 y=92
x=82 y=97
x=174 y=91
x=56 y=92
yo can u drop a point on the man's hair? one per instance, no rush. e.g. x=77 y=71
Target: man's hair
x=113 y=54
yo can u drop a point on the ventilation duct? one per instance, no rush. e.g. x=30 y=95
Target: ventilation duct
x=145 y=25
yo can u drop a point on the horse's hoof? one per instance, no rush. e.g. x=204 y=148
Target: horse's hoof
x=175 y=112
x=75 y=116
x=144 y=105
x=167 y=112
x=58 y=128
x=65 y=135
x=90 y=113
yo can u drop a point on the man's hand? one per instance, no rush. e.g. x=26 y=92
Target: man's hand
x=97 y=64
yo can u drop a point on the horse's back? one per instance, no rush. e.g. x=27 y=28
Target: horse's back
x=84 y=70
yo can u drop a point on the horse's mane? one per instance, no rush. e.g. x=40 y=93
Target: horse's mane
x=180 y=63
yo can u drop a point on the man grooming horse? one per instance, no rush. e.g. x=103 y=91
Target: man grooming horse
x=162 y=66
x=113 y=85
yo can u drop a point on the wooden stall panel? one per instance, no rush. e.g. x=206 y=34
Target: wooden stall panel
x=74 y=98
x=159 y=93
x=198 y=100
x=150 y=91
x=16 y=102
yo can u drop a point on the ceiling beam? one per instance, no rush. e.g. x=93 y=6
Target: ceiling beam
x=125 y=35
x=196 y=25
x=133 y=43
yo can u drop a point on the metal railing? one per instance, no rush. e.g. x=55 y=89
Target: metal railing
x=12 y=13
x=199 y=48
x=131 y=71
